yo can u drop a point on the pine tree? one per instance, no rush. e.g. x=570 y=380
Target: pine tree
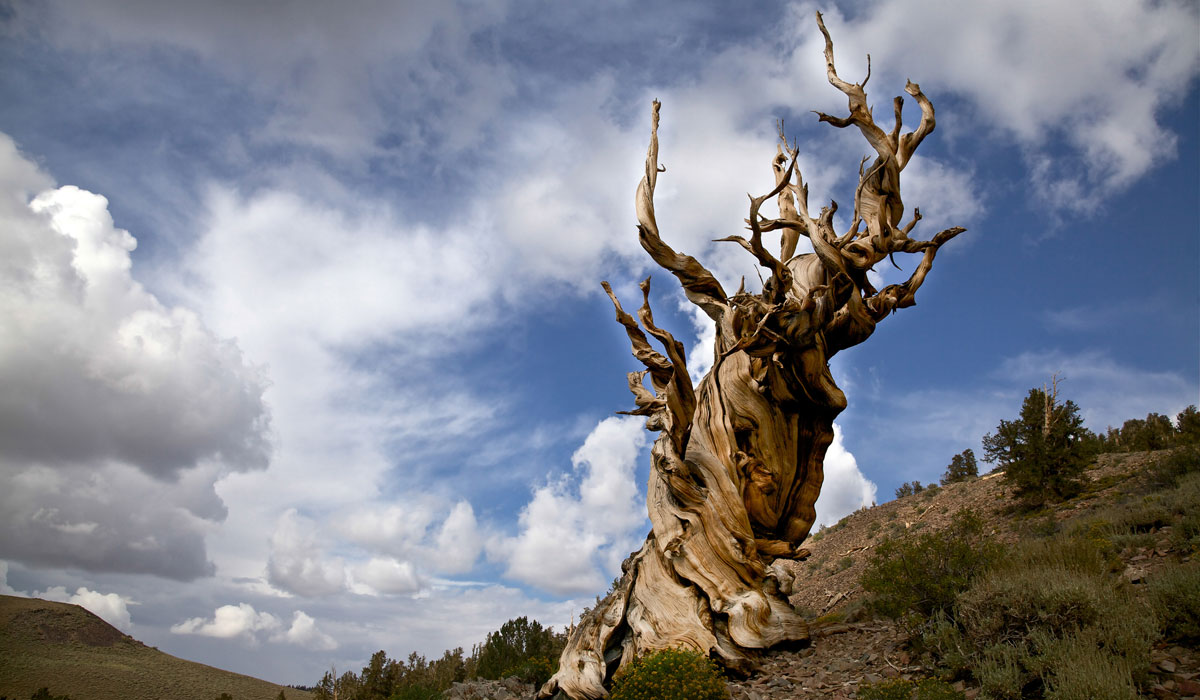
x=1187 y=423
x=327 y=688
x=962 y=467
x=1044 y=452
x=516 y=641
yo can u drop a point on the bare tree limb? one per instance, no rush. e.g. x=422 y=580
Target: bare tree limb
x=738 y=463
x=700 y=286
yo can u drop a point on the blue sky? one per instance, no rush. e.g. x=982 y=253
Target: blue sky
x=303 y=351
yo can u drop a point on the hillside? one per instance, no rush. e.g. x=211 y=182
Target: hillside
x=73 y=652
x=850 y=647
x=828 y=580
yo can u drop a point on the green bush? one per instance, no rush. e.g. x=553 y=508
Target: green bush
x=923 y=574
x=669 y=674
x=535 y=671
x=1175 y=596
x=926 y=689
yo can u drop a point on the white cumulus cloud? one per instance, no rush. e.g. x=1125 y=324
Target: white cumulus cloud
x=298 y=562
x=575 y=532
x=305 y=633
x=117 y=413
x=243 y=622
x=83 y=334
x=459 y=541
x=229 y=621
x=1038 y=73
x=388 y=576
x=845 y=489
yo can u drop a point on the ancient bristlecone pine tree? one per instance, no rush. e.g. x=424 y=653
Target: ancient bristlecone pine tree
x=737 y=466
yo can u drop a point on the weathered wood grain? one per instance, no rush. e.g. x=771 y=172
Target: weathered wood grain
x=737 y=467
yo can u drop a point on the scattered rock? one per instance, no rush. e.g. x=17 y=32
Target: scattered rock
x=507 y=689
x=1134 y=574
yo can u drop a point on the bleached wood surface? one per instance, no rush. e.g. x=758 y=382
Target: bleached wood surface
x=737 y=466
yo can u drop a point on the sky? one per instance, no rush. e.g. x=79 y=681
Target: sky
x=303 y=349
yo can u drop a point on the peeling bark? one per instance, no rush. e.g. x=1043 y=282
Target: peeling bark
x=738 y=464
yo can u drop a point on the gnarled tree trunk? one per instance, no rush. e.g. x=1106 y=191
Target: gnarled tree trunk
x=737 y=467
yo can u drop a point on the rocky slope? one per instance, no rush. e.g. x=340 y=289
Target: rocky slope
x=848 y=651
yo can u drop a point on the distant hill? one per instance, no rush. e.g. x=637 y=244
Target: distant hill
x=73 y=652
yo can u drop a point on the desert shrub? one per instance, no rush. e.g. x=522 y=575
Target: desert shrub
x=922 y=574
x=1079 y=670
x=669 y=674
x=845 y=563
x=1186 y=534
x=1005 y=607
x=1071 y=667
x=1167 y=469
x=1024 y=627
x=45 y=694
x=1136 y=523
x=1042 y=527
x=926 y=689
x=1146 y=515
x=1185 y=494
x=1063 y=552
x=1175 y=596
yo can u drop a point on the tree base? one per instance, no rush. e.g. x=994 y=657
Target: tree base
x=652 y=608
